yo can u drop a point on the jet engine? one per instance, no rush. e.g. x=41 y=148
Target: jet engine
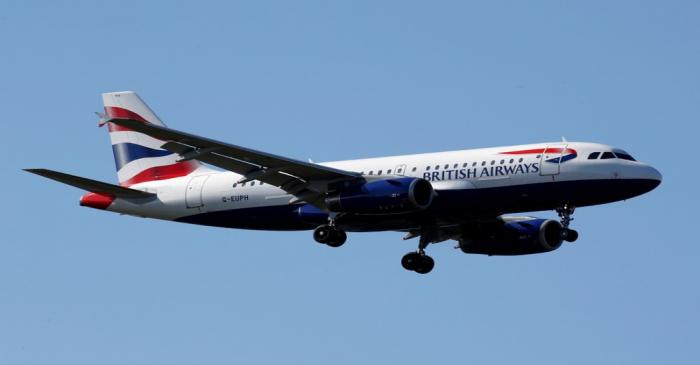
x=516 y=237
x=389 y=196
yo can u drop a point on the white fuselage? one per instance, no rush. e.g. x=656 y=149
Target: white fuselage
x=452 y=174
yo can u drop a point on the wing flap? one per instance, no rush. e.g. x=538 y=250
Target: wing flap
x=92 y=185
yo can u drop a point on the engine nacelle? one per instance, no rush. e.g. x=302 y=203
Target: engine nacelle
x=389 y=196
x=521 y=237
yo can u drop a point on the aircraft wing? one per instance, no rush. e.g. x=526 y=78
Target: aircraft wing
x=306 y=181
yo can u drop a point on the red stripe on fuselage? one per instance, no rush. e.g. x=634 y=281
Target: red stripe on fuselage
x=540 y=150
x=178 y=169
x=524 y=152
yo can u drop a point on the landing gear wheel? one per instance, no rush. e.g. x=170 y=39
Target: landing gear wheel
x=338 y=237
x=565 y=214
x=322 y=234
x=571 y=235
x=420 y=263
x=330 y=235
x=411 y=261
x=426 y=265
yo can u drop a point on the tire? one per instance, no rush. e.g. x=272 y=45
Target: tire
x=323 y=234
x=411 y=261
x=426 y=265
x=337 y=238
x=571 y=235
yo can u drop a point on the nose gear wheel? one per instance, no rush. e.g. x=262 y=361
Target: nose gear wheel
x=566 y=213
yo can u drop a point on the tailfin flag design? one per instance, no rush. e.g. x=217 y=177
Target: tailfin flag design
x=138 y=157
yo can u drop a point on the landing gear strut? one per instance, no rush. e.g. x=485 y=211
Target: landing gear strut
x=329 y=234
x=565 y=214
x=418 y=261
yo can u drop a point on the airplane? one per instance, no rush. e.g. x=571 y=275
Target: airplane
x=467 y=196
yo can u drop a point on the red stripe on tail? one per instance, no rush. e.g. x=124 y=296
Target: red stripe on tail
x=162 y=173
x=117 y=112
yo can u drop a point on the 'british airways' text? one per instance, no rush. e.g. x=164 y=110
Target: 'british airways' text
x=481 y=172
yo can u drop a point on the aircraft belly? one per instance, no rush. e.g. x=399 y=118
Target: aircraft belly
x=449 y=207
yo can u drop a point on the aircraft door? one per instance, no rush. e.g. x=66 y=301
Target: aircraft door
x=193 y=195
x=400 y=170
x=551 y=159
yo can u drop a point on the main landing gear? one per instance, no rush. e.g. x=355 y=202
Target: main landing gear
x=418 y=261
x=329 y=234
x=565 y=214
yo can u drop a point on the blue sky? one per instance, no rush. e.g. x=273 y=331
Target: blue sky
x=336 y=80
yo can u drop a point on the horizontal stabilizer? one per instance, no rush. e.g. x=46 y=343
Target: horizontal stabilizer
x=92 y=185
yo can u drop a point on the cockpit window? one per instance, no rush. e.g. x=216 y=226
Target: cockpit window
x=607 y=156
x=593 y=155
x=624 y=156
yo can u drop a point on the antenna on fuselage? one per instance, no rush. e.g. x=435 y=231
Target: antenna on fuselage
x=563 y=139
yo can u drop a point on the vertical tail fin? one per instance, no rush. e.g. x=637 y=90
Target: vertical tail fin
x=138 y=157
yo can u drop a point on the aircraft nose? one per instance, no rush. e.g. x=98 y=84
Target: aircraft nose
x=654 y=174
x=651 y=178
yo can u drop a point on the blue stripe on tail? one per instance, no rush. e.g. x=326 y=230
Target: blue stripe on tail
x=127 y=152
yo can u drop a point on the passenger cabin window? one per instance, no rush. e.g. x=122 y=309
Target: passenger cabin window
x=427 y=168
x=371 y=172
x=465 y=165
x=388 y=172
x=593 y=155
x=379 y=172
x=607 y=156
x=414 y=169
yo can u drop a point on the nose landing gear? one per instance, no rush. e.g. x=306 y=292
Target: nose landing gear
x=565 y=214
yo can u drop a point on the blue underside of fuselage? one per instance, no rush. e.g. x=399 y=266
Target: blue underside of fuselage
x=449 y=207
